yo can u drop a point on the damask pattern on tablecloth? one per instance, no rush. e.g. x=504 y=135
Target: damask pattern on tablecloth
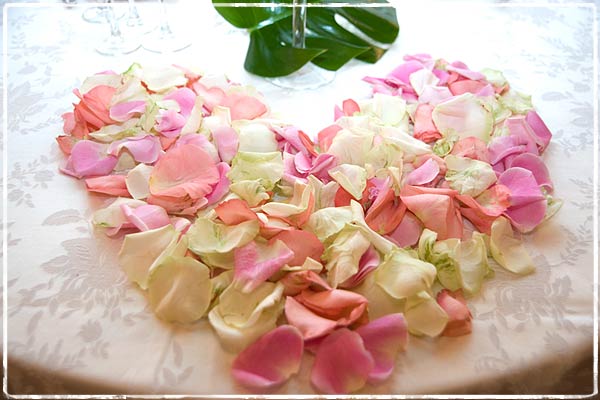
x=71 y=307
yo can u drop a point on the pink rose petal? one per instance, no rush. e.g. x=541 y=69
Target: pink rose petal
x=89 y=159
x=222 y=187
x=519 y=127
x=528 y=204
x=342 y=363
x=146 y=217
x=536 y=165
x=227 y=141
x=503 y=146
x=539 y=128
x=170 y=123
x=144 y=149
x=186 y=99
x=271 y=360
x=523 y=186
x=384 y=338
x=367 y=263
x=407 y=233
x=403 y=71
x=123 y=111
x=252 y=269
x=423 y=174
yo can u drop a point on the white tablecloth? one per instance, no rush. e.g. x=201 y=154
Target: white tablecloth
x=76 y=325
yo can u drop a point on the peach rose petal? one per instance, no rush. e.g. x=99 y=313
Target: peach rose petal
x=297 y=281
x=384 y=338
x=243 y=107
x=318 y=313
x=187 y=170
x=113 y=185
x=271 y=360
x=302 y=243
x=459 y=316
x=435 y=208
x=234 y=211
x=342 y=363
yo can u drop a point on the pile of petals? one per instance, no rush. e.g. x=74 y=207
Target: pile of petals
x=340 y=246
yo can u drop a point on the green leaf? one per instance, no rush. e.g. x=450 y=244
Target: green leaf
x=328 y=44
x=267 y=56
x=250 y=17
x=378 y=23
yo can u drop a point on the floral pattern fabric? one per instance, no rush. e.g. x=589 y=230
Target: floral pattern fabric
x=75 y=325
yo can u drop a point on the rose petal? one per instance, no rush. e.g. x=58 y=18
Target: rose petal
x=89 y=159
x=186 y=170
x=427 y=172
x=302 y=243
x=324 y=311
x=424 y=128
x=113 y=185
x=234 y=211
x=367 y=263
x=123 y=111
x=146 y=217
x=471 y=147
x=186 y=99
x=144 y=149
x=384 y=338
x=459 y=316
x=435 y=208
x=244 y=107
x=536 y=165
x=227 y=141
x=342 y=364
x=222 y=187
x=407 y=233
x=542 y=133
x=255 y=263
x=271 y=360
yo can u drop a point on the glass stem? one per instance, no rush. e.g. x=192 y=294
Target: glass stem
x=112 y=20
x=165 y=29
x=298 y=23
x=133 y=16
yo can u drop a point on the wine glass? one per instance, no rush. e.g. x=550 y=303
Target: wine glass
x=163 y=39
x=116 y=43
x=134 y=25
x=309 y=76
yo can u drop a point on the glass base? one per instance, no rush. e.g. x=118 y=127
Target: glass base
x=165 y=41
x=308 y=77
x=98 y=14
x=116 y=45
